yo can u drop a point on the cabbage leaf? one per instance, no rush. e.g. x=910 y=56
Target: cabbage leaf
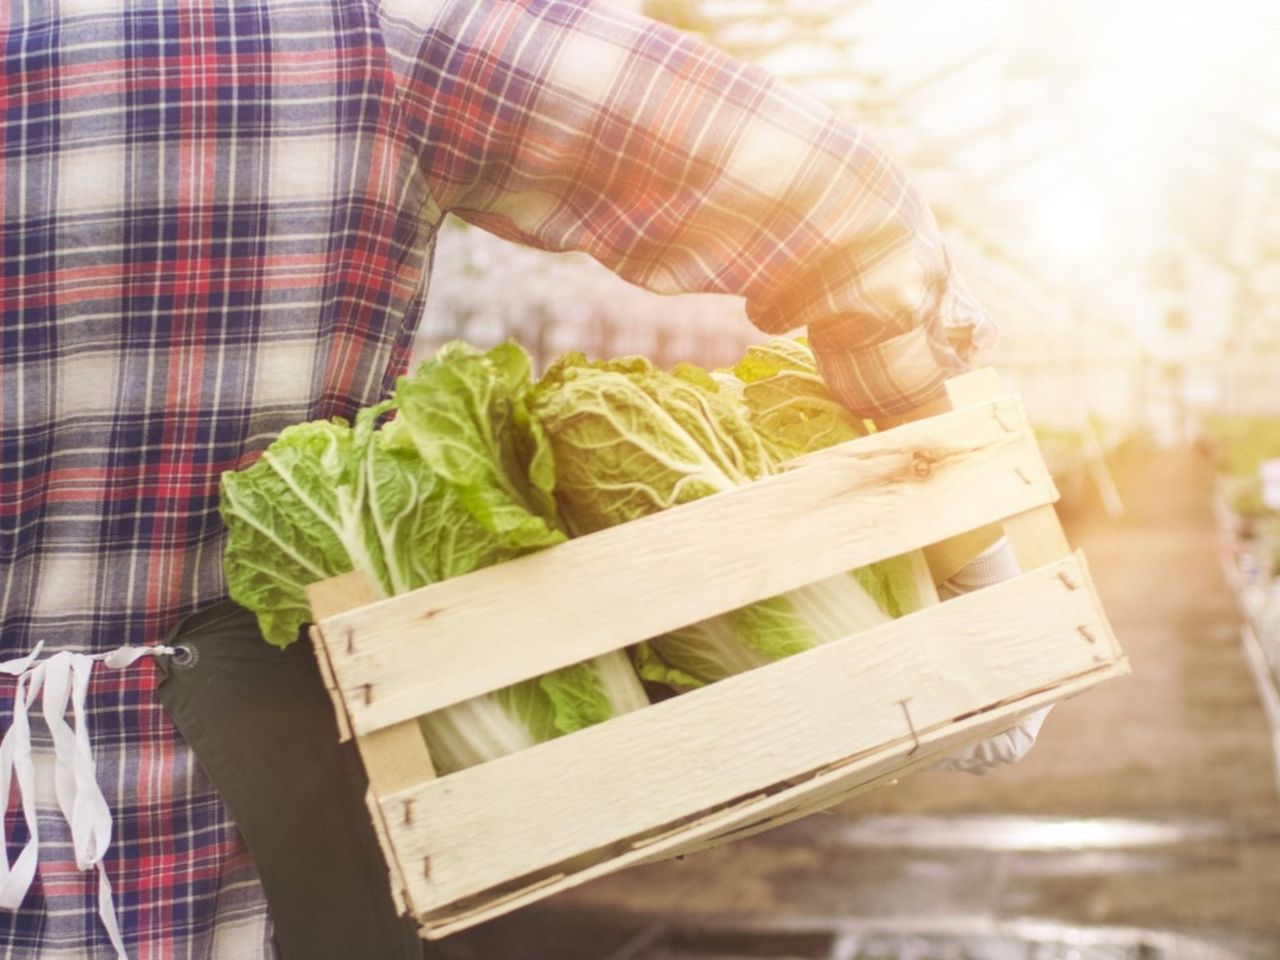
x=630 y=439
x=461 y=479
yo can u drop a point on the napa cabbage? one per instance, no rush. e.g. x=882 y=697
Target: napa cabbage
x=629 y=439
x=786 y=400
x=792 y=410
x=460 y=479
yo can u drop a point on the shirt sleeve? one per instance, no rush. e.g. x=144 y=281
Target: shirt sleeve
x=573 y=125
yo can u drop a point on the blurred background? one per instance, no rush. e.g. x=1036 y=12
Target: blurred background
x=1107 y=176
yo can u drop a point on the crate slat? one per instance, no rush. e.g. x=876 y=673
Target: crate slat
x=876 y=497
x=531 y=810
x=868 y=772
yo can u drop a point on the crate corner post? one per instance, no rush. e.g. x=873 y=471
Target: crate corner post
x=975 y=386
x=393 y=757
x=1035 y=536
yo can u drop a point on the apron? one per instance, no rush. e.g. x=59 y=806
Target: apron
x=261 y=724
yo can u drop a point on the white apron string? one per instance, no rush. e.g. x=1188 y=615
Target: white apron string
x=62 y=677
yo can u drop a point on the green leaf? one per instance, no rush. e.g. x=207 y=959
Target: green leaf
x=294 y=517
x=629 y=440
x=898 y=593
x=460 y=480
x=578 y=697
x=788 y=402
x=464 y=411
x=425 y=529
x=652 y=667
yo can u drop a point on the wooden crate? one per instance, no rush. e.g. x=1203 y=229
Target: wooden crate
x=748 y=752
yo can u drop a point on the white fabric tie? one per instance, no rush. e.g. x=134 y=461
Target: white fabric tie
x=62 y=677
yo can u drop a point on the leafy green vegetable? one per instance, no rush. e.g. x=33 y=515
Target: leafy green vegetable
x=787 y=400
x=490 y=726
x=465 y=412
x=791 y=408
x=760 y=633
x=480 y=465
x=630 y=439
x=297 y=515
x=893 y=582
x=460 y=480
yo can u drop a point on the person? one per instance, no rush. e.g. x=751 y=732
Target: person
x=218 y=220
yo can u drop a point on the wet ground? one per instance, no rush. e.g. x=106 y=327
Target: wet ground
x=1145 y=824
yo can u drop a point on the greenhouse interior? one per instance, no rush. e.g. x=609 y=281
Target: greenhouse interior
x=1107 y=179
x=640 y=480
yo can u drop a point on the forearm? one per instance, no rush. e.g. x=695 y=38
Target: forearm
x=577 y=126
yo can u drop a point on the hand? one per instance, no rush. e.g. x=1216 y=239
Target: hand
x=998 y=751
x=993 y=565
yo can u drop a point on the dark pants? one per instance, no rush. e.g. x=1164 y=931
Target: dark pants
x=262 y=726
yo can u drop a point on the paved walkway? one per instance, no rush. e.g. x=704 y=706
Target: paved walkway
x=1149 y=804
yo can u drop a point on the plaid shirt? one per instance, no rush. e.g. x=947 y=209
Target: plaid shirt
x=218 y=220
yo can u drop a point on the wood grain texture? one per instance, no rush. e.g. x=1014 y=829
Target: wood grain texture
x=858 y=775
x=756 y=814
x=393 y=757
x=328 y=599
x=750 y=752
x=531 y=810
x=1036 y=537
x=837 y=509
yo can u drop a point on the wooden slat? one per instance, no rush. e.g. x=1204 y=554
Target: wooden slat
x=879 y=768
x=465 y=917
x=829 y=788
x=872 y=770
x=340 y=594
x=321 y=651
x=1107 y=645
x=395 y=756
x=328 y=599
x=530 y=810
x=841 y=508
x=1036 y=537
